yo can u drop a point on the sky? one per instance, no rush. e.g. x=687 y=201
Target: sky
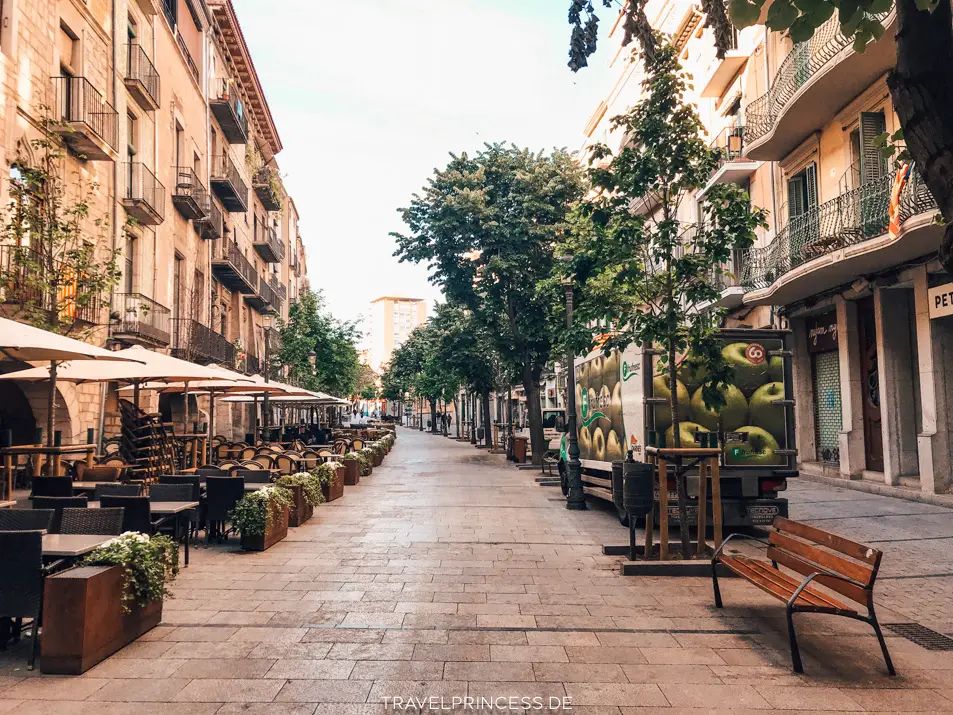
x=369 y=96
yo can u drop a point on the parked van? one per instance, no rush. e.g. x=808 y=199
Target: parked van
x=622 y=402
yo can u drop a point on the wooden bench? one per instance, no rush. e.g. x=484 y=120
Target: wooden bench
x=819 y=558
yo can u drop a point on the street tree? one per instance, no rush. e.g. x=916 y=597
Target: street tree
x=487 y=226
x=646 y=275
x=312 y=328
x=921 y=86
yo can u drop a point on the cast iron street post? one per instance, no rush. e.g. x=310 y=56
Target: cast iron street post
x=577 y=498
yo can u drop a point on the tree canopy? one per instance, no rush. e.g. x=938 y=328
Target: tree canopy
x=312 y=328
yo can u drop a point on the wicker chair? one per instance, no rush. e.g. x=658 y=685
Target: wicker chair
x=92 y=521
x=21 y=588
x=340 y=446
x=253 y=476
x=249 y=464
x=284 y=464
x=223 y=451
x=248 y=453
x=111 y=446
x=58 y=504
x=267 y=461
x=23 y=520
x=101 y=473
x=194 y=483
x=137 y=513
x=170 y=492
x=52 y=487
x=116 y=490
x=222 y=494
x=357 y=445
x=310 y=459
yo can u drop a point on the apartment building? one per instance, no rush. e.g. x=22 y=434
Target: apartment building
x=162 y=112
x=848 y=262
x=393 y=319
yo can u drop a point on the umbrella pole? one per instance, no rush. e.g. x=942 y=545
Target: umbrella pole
x=51 y=417
x=186 y=430
x=211 y=422
x=255 y=429
x=135 y=393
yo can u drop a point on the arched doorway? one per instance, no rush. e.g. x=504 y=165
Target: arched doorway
x=16 y=414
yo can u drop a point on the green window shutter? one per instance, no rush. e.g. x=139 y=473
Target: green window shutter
x=810 y=183
x=873 y=165
x=795 y=196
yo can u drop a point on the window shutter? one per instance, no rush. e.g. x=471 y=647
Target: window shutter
x=873 y=165
x=795 y=196
x=810 y=181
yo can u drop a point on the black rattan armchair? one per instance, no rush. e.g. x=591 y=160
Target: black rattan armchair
x=222 y=494
x=23 y=520
x=21 y=588
x=92 y=521
x=58 y=504
x=137 y=514
x=52 y=487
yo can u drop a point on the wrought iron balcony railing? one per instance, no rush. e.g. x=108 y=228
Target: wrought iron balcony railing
x=731 y=142
x=228 y=184
x=199 y=343
x=269 y=245
x=143 y=318
x=804 y=61
x=228 y=109
x=40 y=284
x=278 y=287
x=234 y=270
x=190 y=196
x=90 y=124
x=851 y=218
x=141 y=78
x=267 y=186
x=213 y=225
x=143 y=195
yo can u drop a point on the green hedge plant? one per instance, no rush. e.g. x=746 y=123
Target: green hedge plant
x=257 y=510
x=149 y=564
x=363 y=460
x=310 y=485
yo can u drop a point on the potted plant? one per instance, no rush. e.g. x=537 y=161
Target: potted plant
x=353 y=468
x=261 y=517
x=331 y=475
x=92 y=612
x=306 y=494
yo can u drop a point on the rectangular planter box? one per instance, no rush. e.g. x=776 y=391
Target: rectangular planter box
x=352 y=472
x=336 y=489
x=276 y=531
x=301 y=511
x=378 y=459
x=83 y=621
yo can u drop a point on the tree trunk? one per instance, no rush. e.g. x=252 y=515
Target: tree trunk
x=921 y=87
x=433 y=416
x=534 y=413
x=487 y=421
x=457 y=415
x=473 y=418
x=681 y=480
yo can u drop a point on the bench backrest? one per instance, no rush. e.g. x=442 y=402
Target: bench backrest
x=807 y=549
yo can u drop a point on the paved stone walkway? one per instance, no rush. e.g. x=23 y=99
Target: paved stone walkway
x=448 y=573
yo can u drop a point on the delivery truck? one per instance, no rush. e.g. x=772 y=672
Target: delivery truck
x=622 y=403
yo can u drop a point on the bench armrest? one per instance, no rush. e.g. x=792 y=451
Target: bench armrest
x=810 y=577
x=736 y=535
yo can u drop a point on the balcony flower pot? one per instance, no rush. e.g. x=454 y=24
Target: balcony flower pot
x=262 y=517
x=115 y=596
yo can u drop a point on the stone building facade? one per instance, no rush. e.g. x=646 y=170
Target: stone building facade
x=160 y=109
x=848 y=262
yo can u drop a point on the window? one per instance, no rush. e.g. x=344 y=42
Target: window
x=131 y=254
x=179 y=144
x=177 y=287
x=70 y=61
x=132 y=136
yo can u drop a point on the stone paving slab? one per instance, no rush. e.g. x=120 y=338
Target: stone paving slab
x=449 y=573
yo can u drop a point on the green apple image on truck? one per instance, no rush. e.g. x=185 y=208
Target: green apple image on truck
x=623 y=399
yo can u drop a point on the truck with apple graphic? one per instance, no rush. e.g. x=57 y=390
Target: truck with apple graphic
x=623 y=404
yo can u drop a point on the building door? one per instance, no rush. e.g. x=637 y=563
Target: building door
x=870 y=385
x=822 y=344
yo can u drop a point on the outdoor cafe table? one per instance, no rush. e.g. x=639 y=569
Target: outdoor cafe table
x=54 y=457
x=72 y=545
x=7 y=504
x=169 y=508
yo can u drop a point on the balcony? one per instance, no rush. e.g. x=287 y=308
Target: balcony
x=234 y=271
x=265 y=300
x=142 y=321
x=840 y=240
x=190 y=196
x=268 y=245
x=252 y=364
x=228 y=185
x=814 y=82
x=278 y=287
x=200 y=344
x=88 y=123
x=230 y=112
x=33 y=281
x=267 y=185
x=211 y=227
x=143 y=196
x=734 y=167
x=142 y=79
x=720 y=73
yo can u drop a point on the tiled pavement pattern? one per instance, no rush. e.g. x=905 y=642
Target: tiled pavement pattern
x=449 y=573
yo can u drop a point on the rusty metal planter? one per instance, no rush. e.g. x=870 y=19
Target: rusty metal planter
x=274 y=532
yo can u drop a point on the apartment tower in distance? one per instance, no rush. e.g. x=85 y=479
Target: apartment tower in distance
x=392 y=320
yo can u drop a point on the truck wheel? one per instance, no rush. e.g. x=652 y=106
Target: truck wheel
x=623 y=516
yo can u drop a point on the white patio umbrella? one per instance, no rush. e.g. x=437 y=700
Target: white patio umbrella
x=24 y=342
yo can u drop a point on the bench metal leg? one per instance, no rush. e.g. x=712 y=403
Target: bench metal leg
x=792 y=637
x=883 y=644
x=714 y=582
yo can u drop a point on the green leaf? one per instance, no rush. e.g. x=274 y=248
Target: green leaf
x=879 y=6
x=801 y=30
x=781 y=15
x=743 y=13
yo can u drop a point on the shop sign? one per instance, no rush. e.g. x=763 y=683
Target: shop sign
x=822 y=332
x=941 y=301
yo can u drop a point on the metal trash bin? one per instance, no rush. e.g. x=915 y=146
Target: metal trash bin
x=637 y=488
x=520 y=449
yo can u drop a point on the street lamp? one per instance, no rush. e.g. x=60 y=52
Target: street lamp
x=577 y=498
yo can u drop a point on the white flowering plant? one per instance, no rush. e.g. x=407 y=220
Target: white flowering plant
x=149 y=564
x=310 y=484
x=257 y=510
